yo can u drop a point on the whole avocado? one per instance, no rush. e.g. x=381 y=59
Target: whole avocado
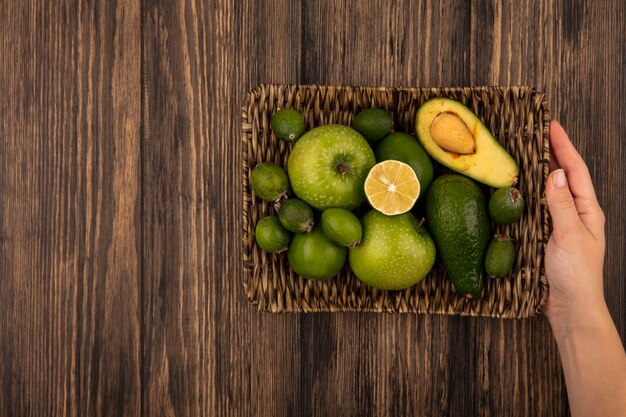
x=456 y=209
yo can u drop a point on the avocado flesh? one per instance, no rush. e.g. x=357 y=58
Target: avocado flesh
x=456 y=210
x=489 y=163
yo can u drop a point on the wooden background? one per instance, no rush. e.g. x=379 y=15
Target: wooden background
x=120 y=275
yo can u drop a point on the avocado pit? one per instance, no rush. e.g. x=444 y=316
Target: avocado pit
x=451 y=134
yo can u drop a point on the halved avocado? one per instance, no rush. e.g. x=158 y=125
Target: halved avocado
x=454 y=136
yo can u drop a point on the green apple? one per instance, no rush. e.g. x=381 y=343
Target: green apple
x=396 y=252
x=328 y=165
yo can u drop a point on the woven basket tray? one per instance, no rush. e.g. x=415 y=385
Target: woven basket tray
x=519 y=119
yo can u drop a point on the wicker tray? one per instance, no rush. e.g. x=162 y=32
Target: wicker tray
x=518 y=117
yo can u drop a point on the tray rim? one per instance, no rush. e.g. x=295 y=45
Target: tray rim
x=544 y=161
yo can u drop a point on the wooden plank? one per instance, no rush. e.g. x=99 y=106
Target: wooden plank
x=362 y=364
x=368 y=364
x=78 y=336
x=177 y=190
x=269 y=360
x=206 y=350
x=69 y=204
x=589 y=90
x=508 y=48
x=584 y=84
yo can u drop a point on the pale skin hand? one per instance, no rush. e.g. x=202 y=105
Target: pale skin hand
x=575 y=252
x=591 y=352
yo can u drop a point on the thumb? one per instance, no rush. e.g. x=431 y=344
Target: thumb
x=561 y=202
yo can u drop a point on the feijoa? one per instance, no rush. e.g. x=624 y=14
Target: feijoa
x=500 y=256
x=269 y=182
x=342 y=227
x=296 y=216
x=271 y=236
x=288 y=125
x=506 y=205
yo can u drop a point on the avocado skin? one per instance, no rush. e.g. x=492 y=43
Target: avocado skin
x=456 y=209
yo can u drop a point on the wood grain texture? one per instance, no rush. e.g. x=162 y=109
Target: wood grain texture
x=120 y=204
x=465 y=366
x=69 y=208
x=181 y=224
x=201 y=353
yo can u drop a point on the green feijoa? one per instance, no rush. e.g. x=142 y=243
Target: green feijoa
x=296 y=216
x=342 y=227
x=373 y=124
x=269 y=182
x=500 y=256
x=288 y=125
x=506 y=205
x=271 y=236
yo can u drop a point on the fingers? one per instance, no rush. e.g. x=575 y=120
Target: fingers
x=561 y=203
x=554 y=165
x=570 y=160
x=578 y=179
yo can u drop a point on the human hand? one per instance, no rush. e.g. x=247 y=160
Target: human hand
x=575 y=252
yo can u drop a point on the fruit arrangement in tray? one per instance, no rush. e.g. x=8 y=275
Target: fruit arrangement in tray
x=505 y=137
x=388 y=203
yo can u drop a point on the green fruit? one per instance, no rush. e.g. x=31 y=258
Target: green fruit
x=314 y=256
x=269 y=182
x=506 y=205
x=328 y=165
x=296 y=216
x=373 y=124
x=500 y=256
x=456 y=210
x=396 y=251
x=342 y=227
x=405 y=148
x=453 y=135
x=271 y=236
x=288 y=125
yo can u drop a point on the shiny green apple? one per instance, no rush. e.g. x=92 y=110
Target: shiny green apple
x=328 y=165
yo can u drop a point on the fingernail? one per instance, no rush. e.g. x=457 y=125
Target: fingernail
x=559 y=179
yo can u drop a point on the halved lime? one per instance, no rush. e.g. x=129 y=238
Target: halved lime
x=392 y=187
x=405 y=148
